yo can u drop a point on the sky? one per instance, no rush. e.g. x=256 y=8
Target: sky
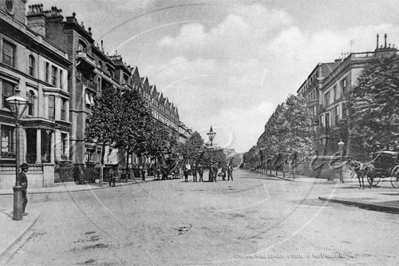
x=229 y=63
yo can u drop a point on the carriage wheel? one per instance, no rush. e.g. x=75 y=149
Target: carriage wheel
x=395 y=176
x=376 y=180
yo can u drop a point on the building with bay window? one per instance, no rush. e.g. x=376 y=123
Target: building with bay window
x=32 y=67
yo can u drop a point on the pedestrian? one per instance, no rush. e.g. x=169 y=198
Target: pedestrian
x=224 y=170
x=142 y=171
x=158 y=172
x=185 y=172
x=24 y=183
x=210 y=173
x=215 y=172
x=230 y=173
x=112 y=177
x=194 y=173
x=201 y=173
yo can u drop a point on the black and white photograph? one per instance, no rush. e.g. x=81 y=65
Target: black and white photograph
x=199 y=132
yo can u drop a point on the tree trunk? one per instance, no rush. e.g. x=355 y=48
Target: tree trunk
x=100 y=182
x=127 y=164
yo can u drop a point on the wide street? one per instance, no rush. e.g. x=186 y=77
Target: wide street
x=254 y=220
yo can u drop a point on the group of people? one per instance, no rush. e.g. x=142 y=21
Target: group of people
x=225 y=172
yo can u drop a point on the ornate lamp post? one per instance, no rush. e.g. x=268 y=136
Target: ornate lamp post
x=211 y=135
x=340 y=146
x=17 y=105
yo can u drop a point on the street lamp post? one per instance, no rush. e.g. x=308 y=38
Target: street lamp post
x=17 y=105
x=211 y=135
x=341 y=145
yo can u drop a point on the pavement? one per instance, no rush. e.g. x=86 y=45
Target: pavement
x=13 y=233
x=382 y=198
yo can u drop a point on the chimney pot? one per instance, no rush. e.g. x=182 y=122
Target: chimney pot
x=385 y=44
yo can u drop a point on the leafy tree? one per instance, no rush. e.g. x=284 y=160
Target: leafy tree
x=159 y=142
x=134 y=124
x=193 y=149
x=121 y=119
x=374 y=105
x=289 y=129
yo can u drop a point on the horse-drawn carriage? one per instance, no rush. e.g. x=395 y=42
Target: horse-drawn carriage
x=386 y=165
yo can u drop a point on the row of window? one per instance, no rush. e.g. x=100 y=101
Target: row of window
x=325 y=120
x=8 y=89
x=8 y=146
x=52 y=74
x=331 y=95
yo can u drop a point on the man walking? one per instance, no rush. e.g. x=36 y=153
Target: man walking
x=24 y=183
x=230 y=173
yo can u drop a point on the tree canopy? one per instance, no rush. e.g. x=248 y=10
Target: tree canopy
x=374 y=104
x=289 y=128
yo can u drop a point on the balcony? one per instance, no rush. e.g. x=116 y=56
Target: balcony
x=85 y=61
x=89 y=83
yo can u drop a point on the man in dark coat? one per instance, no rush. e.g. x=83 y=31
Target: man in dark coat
x=194 y=173
x=24 y=183
x=224 y=170
x=230 y=173
x=201 y=173
x=186 y=172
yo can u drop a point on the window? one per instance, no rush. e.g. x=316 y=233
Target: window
x=335 y=93
x=326 y=99
x=8 y=90
x=51 y=107
x=61 y=79
x=7 y=141
x=78 y=76
x=89 y=156
x=9 y=6
x=63 y=144
x=98 y=83
x=46 y=145
x=47 y=68
x=89 y=99
x=343 y=86
x=54 y=76
x=31 y=65
x=81 y=47
x=63 y=109
x=336 y=114
x=327 y=120
x=8 y=53
x=31 y=97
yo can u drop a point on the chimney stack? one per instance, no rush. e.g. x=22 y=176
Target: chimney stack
x=378 y=36
x=385 y=36
x=36 y=19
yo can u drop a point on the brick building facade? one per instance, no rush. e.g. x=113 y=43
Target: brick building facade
x=32 y=67
x=55 y=62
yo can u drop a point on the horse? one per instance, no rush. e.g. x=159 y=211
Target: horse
x=362 y=170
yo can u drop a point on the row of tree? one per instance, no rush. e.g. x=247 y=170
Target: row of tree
x=288 y=131
x=122 y=119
